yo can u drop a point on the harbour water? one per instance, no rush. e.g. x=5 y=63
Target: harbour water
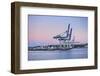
x=75 y=53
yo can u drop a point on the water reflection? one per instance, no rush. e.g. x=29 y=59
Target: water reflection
x=76 y=53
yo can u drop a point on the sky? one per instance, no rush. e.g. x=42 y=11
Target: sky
x=42 y=28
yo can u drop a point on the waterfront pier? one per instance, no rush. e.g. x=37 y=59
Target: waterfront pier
x=66 y=41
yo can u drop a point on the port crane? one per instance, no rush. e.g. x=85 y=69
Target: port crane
x=65 y=37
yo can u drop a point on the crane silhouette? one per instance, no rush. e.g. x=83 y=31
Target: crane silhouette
x=65 y=36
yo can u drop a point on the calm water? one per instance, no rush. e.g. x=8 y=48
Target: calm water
x=75 y=53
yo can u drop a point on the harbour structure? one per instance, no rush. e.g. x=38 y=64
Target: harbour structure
x=65 y=38
x=66 y=41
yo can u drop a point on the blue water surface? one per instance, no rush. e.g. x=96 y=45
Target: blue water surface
x=75 y=53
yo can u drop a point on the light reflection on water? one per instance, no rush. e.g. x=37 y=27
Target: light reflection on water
x=76 y=53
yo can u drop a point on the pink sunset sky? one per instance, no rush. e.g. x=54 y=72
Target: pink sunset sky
x=42 y=29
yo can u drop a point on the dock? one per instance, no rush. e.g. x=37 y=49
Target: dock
x=66 y=42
